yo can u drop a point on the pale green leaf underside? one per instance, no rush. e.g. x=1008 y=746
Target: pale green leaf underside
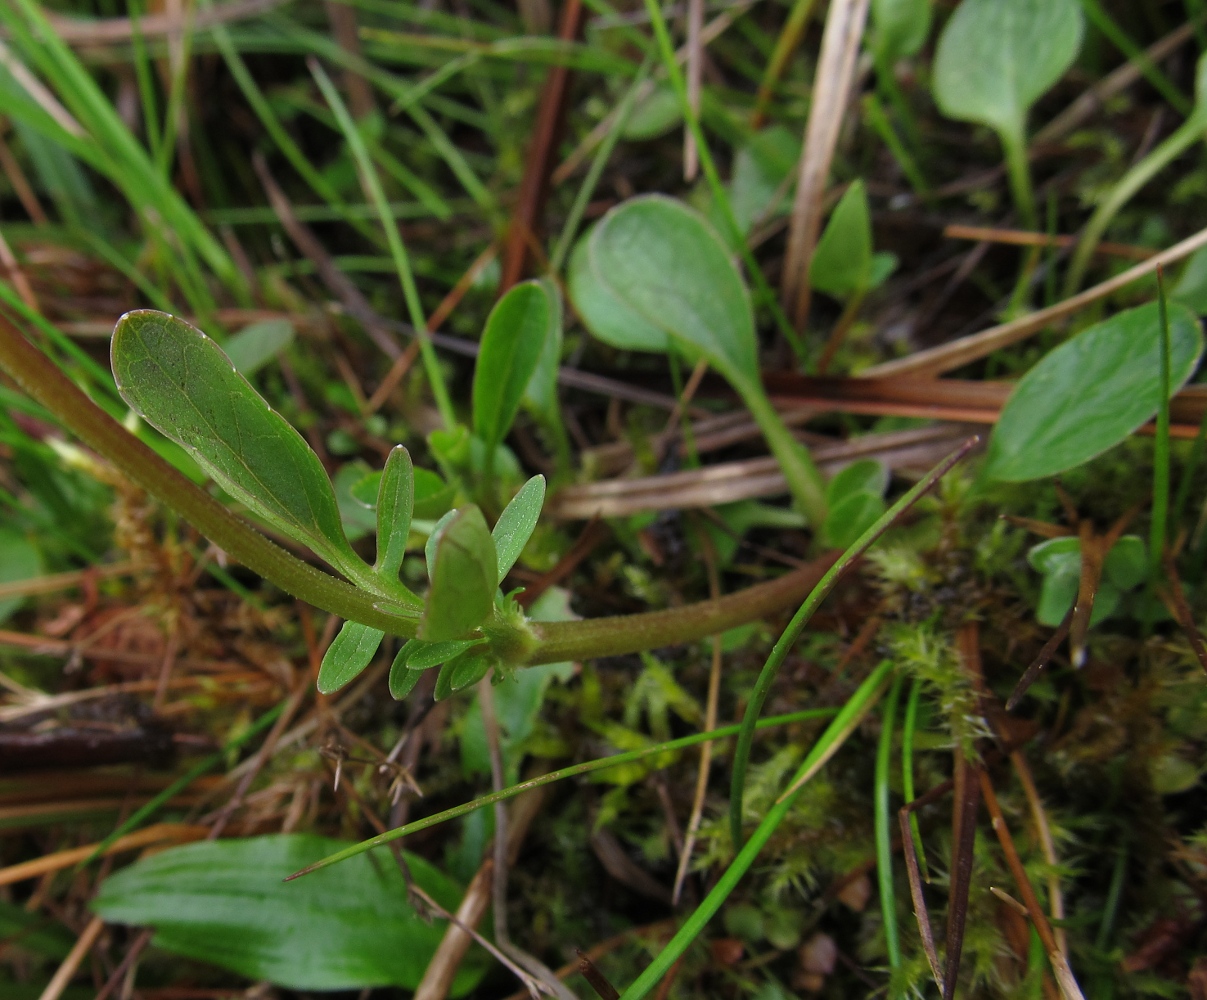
x=182 y=384
x=1090 y=393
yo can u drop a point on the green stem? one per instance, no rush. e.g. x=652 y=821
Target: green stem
x=907 y=770
x=43 y=380
x=1018 y=169
x=836 y=733
x=874 y=113
x=805 y=482
x=884 y=837
x=1158 y=530
x=1135 y=54
x=588 y=767
x=431 y=364
x=779 y=652
x=1131 y=182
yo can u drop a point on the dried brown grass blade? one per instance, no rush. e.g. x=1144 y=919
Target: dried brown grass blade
x=963 y=836
x=1031 y=674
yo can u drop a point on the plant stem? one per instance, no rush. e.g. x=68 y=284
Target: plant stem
x=884 y=840
x=431 y=364
x=1018 y=169
x=43 y=380
x=874 y=113
x=1158 y=530
x=907 y=770
x=1187 y=134
x=804 y=480
x=573 y=771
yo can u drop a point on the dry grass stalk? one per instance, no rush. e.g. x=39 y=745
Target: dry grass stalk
x=831 y=95
x=65 y=972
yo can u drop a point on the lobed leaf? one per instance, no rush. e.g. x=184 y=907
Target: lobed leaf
x=1090 y=393
x=181 y=383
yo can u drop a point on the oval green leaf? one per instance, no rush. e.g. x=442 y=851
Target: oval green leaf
x=181 y=383
x=864 y=476
x=842 y=263
x=995 y=58
x=512 y=341
x=345 y=928
x=667 y=264
x=851 y=517
x=517 y=522
x=464 y=572
x=899 y=27
x=348 y=655
x=1090 y=393
x=254 y=346
x=402 y=679
x=395 y=500
x=608 y=319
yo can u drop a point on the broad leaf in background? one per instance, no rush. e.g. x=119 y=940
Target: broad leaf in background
x=760 y=169
x=182 y=384
x=899 y=28
x=517 y=522
x=395 y=501
x=654 y=115
x=356 y=516
x=1191 y=289
x=344 y=928
x=855 y=499
x=1091 y=392
x=511 y=346
x=995 y=58
x=349 y=653
x=464 y=572
x=254 y=346
x=19 y=560
x=432 y=495
x=540 y=394
x=843 y=264
x=1058 y=560
x=608 y=319
x=664 y=262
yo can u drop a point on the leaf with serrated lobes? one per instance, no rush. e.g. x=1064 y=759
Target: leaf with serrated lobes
x=182 y=384
x=348 y=655
x=464 y=573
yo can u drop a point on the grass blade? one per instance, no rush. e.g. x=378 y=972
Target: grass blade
x=884 y=840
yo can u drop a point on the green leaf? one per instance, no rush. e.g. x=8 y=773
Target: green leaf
x=356 y=517
x=1090 y=393
x=433 y=496
x=468 y=668
x=511 y=346
x=346 y=928
x=851 y=517
x=1059 y=560
x=842 y=263
x=349 y=653
x=540 y=394
x=608 y=319
x=995 y=58
x=899 y=27
x=1052 y=555
x=402 y=680
x=395 y=499
x=254 y=346
x=864 y=476
x=517 y=522
x=425 y=655
x=667 y=264
x=33 y=932
x=760 y=168
x=464 y=572
x=653 y=116
x=19 y=560
x=182 y=384
x=1126 y=565
x=1191 y=289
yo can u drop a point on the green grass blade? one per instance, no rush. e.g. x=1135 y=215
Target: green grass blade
x=884 y=824
x=398 y=250
x=908 y=729
x=819 y=593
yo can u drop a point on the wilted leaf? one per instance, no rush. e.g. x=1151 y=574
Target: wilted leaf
x=1090 y=393
x=343 y=928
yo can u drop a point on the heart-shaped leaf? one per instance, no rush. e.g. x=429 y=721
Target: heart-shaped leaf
x=667 y=264
x=1091 y=392
x=464 y=573
x=350 y=927
x=517 y=522
x=182 y=384
x=349 y=653
x=995 y=58
x=608 y=319
x=395 y=499
x=842 y=263
x=512 y=341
